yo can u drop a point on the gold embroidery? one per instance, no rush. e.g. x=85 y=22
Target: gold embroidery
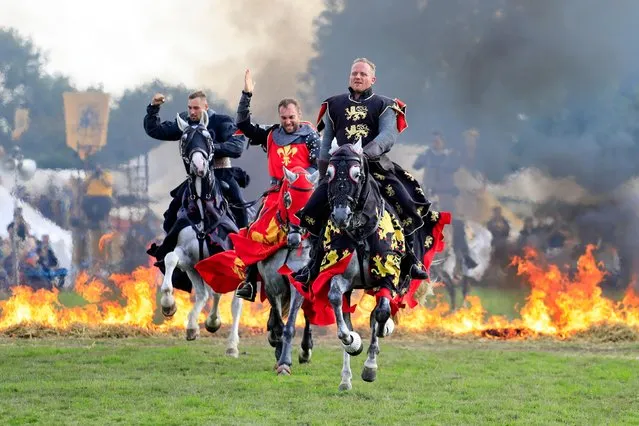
x=379 y=176
x=389 y=191
x=354 y=113
x=285 y=153
x=408 y=221
x=434 y=216
x=409 y=176
x=332 y=258
x=309 y=220
x=238 y=268
x=388 y=266
x=419 y=191
x=428 y=242
x=356 y=131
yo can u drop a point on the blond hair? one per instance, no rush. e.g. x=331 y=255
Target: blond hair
x=366 y=61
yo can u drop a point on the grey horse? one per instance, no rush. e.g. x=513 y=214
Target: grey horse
x=351 y=191
x=297 y=187
x=197 y=151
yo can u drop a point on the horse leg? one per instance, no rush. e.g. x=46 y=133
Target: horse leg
x=379 y=329
x=167 y=301
x=201 y=296
x=307 y=343
x=351 y=341
x=213 y=321
x=234 y=336
x=465 y=289
x=452 y=292
x=285 y=362
x=347 y=374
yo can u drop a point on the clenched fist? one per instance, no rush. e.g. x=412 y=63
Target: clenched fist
x=158 y=99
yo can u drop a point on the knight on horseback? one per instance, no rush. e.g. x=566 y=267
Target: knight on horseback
x=376 y=121
x=288 y=144
x=227 y=143
x=223 y=143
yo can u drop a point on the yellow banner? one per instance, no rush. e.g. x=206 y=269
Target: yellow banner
x=20 y=123
x=86 y=116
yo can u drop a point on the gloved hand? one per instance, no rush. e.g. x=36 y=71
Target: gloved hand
x=372 y=150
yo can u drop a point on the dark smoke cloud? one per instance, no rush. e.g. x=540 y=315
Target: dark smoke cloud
x=539 y=78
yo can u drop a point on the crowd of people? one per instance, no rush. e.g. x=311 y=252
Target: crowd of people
x=37 y=263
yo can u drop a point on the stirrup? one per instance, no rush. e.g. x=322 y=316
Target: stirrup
x=246 y=291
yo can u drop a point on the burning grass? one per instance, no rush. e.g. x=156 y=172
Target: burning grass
x=560 y=305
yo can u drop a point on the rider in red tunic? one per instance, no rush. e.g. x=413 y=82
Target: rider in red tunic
x=288 y=144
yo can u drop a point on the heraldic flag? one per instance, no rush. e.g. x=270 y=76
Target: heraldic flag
x=86 y=116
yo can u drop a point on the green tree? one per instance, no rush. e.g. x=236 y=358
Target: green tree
x=24 y=84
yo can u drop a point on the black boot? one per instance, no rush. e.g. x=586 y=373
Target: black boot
x=416 y=270
x=247 y=289
x=311 y=270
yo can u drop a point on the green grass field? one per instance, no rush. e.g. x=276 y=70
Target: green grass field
x=166 y=380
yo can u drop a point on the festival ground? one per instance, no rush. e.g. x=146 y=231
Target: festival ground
x=166 y=380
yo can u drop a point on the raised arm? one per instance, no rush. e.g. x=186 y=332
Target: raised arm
x=257 y=135
x=153 y=125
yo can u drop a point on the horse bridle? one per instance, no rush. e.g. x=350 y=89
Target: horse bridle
x=187 y=137
x=351 y=199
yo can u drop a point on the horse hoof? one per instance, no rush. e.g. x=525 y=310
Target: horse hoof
x=355 y=347
x=283 y=370
x=213 y=326
x=369 y=374
x=168 y=312
x=305 y=356
x=233 y=352
x=345 y=386
x=389 y=327
x=192 y=333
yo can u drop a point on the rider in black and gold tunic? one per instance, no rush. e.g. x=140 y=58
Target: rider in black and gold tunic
x=377 y=121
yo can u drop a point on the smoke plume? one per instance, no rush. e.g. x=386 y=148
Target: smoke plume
x=538 y=78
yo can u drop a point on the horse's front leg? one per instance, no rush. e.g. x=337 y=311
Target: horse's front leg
x=307 y=343
x=213 y=321
x=201 y=296
x=351 y=341
x=285 y=361
x=233 y=341
x=167 y=301
x=382 y=325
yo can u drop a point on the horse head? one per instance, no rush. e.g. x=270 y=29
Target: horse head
x=346 y=175
x=297 y=187
x=196 y=146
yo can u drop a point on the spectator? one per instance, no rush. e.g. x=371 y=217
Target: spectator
x=98 y=198
x=500 y=228
x=440 y=164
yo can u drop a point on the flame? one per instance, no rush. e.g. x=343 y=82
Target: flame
x=559 y=304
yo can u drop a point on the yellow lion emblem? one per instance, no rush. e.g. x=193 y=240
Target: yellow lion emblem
x=354 y=113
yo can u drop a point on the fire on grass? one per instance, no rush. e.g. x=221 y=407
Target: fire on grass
x=559 y=305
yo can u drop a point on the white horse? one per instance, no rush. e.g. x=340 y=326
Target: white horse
x=445 y=267
x=197 y=152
